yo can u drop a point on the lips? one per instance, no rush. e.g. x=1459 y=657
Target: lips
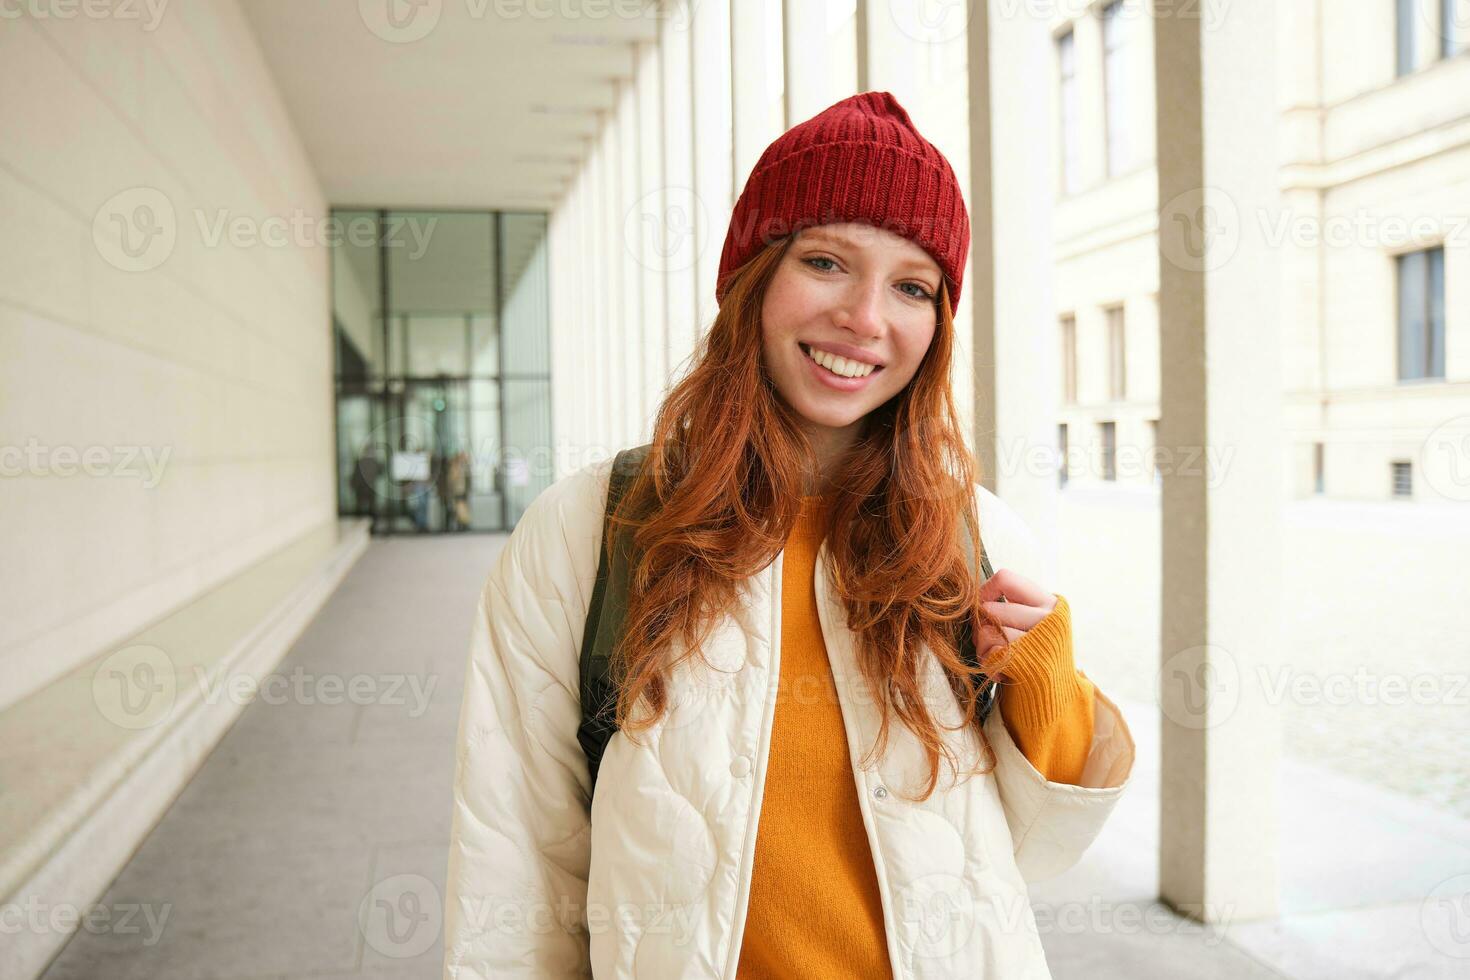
x=809 y=352
x=836 y=381
x=854 y=354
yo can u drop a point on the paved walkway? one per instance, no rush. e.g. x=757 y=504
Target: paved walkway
x=313 y=808
x=1374 y=672
x=1369 y=882
x=312 y=844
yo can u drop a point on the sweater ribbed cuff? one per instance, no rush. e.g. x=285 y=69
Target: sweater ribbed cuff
x=1040 y=682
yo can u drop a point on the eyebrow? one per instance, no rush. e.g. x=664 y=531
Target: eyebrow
x=817 y=234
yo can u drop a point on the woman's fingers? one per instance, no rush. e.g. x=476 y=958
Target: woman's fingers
x=1015 y=587
x=1015 y=615
x=992 y=642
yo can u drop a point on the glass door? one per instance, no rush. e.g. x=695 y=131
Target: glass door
x=441 y=324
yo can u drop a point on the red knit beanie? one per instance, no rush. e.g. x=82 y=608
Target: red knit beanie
x=858 y=160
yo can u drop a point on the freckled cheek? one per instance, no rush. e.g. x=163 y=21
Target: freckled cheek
x=910 y=356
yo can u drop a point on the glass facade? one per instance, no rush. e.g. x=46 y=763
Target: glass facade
x=443 y=386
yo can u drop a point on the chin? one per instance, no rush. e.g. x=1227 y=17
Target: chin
x=829 y=418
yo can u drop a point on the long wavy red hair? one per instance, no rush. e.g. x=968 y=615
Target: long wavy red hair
x=721 y=488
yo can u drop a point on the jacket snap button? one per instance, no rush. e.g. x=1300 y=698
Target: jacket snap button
x=881 y=792
x=740 y=767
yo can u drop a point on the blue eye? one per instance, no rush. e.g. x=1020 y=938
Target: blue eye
x=922 y=293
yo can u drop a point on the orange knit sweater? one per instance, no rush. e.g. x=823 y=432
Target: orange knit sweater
x=815 y=909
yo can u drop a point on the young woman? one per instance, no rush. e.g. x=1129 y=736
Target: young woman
x=801 y=784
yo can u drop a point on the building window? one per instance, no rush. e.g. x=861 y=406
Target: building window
x=1407 y=56
x=1421 y=315
x=1116 y=355
x=1069 y=359
x=1110 y=450
x=1404 y=51
x=1062 y=446
x=1319 y=475
x=1067 y=60
x=1117 y=30
x=1403 y=478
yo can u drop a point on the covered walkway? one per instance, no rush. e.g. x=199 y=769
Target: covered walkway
x=313 y=842
x=316 y=807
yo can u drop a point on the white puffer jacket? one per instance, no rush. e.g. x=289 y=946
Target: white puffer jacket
x=653 y=882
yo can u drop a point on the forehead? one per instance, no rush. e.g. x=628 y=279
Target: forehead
x=864 y=237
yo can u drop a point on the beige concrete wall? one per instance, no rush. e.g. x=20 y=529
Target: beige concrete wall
x=165 y=400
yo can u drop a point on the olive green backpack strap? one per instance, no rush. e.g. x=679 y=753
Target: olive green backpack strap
x=608 y=609
x=605 y=615
x=967 y=634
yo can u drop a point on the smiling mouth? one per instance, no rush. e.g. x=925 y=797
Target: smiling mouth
x=839 y=366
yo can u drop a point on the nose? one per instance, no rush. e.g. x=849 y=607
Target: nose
x=862 y=309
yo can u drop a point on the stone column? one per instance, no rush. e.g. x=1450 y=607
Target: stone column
x=816 y=76
x=751 y=57
x=1220 y=424
x=1012 y=188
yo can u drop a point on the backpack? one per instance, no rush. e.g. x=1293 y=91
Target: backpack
x=608 y=608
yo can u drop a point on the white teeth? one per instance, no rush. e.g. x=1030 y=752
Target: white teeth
x=839 y=365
